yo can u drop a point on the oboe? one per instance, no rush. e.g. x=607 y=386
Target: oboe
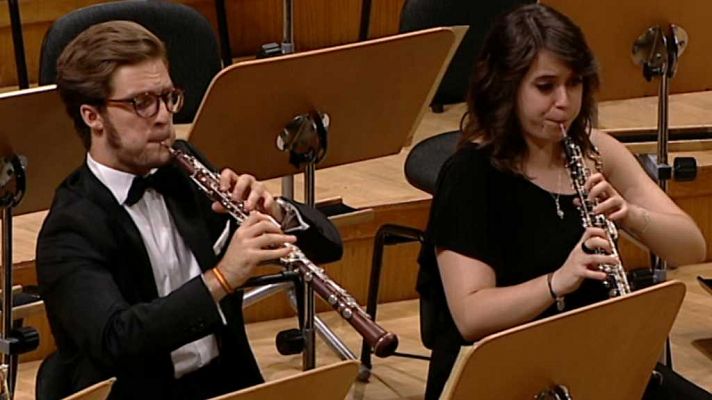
x=383 y=343
x=617 y=281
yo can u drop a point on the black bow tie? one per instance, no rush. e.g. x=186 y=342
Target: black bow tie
x=139 y=186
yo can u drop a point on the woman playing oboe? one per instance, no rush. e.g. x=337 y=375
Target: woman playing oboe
x=505 y=242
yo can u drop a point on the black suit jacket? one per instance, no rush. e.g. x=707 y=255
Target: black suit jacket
x=101 y=299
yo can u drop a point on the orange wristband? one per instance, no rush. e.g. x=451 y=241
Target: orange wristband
x=223 y=282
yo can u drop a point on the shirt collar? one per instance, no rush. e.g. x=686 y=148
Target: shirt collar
x=118 y=182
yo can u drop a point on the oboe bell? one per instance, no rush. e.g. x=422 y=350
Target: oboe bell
x=383 y=343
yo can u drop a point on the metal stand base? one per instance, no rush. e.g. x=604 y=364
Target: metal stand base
x=320 y=327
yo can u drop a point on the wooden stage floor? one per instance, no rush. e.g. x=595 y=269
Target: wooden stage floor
x=400 y=378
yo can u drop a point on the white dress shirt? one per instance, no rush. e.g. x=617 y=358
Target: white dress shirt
x=173 y=263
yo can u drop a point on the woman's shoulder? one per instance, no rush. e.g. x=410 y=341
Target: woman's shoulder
x=612 y=152
x=468 y=165
x=469 y=154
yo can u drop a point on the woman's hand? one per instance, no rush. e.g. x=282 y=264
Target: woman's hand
x=634 y=219
x=583 y=262
x=610 y=203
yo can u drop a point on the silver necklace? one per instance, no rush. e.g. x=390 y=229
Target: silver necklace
x=559 y=211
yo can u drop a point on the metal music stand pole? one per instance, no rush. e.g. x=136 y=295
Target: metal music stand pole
x=660 y=265
x=223 y=32
x=365 y=28
x=288 y=27
x=12 y=189
x=305 y=139
x=288 y=48
x=7 y=296
x=18 y=44
x=658 y=52
x=311 y=323
x=309 y=354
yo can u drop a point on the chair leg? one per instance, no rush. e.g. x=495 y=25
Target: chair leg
x=386 y=235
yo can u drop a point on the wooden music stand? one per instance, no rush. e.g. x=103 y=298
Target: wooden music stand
x=97 y=391
x=37 y=127
x=323 y=383
x=34 y=124
x=603 y=351
x=374 y=92
x=612 y=41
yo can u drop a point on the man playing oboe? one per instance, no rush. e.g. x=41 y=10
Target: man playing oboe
x=138 y=269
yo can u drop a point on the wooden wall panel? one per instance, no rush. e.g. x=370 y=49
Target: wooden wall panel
x=317 y=23
x=320 y=23
x=385 y=17
x=611 y=27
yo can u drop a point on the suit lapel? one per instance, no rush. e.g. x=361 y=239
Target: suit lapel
x=189 y=221
x=125 y=230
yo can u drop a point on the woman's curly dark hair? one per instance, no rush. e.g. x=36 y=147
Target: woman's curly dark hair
x=507 y=53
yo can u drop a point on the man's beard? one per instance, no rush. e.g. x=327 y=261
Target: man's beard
x=124 y=155
x=112 y=135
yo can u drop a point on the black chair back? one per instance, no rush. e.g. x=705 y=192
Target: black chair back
x=478 y=15
x=425 y=159
x=190 y=41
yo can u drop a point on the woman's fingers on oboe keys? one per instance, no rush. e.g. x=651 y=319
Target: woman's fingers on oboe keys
x=614 y=207
x=593 y=232
x=596 y=244
x=592 y=273
x=575 y=268
x=594 y=263
x=610 y=202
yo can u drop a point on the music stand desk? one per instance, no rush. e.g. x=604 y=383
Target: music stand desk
x=323 y=383
x=637 y=119
x=37 y=127
x=611 y=27
x=603 y=351
x=97 y=391
x=374 y=92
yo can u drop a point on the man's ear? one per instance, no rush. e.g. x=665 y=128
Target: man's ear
x=92 y=117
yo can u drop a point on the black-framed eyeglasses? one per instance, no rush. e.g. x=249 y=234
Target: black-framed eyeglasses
x=146 y=105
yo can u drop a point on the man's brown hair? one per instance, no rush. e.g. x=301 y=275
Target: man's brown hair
x=87 y=65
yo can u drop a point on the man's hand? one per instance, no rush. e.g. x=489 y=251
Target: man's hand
x=257 y=240
x=250 y=191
